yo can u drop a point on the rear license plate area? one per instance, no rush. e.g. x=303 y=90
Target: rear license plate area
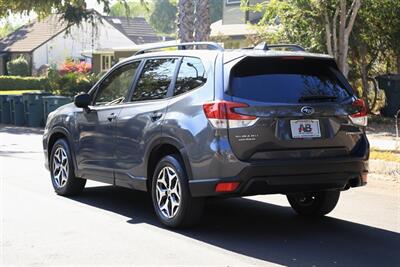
x=302 y=129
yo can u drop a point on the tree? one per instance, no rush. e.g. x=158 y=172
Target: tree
x=186 y=20
x=6 y=29
x=308 y=22
x=163 y=16
x=131 y=9
x=72 y=12
x=203 y=22
x=338 y=26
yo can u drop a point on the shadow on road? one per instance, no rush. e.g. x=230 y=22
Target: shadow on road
x=265 y=231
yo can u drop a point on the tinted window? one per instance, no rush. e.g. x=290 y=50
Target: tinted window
x=287 y=80
x=115 y=87
x=191 y=75
x=155 y=79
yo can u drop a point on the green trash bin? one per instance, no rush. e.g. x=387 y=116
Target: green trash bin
x=390 y=83
x=5 y=109
x=33 y=108
x=51 y=103
x=17 y=110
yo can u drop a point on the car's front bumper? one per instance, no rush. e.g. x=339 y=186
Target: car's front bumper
x=45 y=149
x=284 y=177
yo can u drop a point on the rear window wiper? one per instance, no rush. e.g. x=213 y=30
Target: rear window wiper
x=317 y=97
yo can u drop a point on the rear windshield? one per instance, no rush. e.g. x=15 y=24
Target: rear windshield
x=287 y=80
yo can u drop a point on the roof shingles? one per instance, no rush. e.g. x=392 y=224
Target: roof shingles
x=29 y=37
x=137 y=29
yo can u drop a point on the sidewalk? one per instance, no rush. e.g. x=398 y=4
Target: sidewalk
x=387 y=143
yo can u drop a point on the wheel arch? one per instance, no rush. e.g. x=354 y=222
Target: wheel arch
x=161 y=148
x=56 y=134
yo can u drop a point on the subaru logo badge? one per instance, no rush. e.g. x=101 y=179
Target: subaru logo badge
x=307 y=110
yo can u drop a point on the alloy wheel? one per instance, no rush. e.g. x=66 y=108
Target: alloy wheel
x=60 y=167
x=168 y=192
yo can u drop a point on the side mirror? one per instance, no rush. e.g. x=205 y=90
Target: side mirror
x=82 y=100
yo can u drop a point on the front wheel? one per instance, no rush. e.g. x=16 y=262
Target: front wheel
x=62 y=170
x=172 y=202
x=314 y=204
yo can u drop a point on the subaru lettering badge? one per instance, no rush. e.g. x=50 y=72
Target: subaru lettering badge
x=307 y=110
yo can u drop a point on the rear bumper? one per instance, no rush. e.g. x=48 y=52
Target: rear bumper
x=289 y=176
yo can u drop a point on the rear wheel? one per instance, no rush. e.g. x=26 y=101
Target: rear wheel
x=314 y=204
x=62 y=170
x=172 y=202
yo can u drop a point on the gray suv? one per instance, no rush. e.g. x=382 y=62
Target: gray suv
x=202 y=122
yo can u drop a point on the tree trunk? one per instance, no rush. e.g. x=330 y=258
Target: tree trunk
x=337 y=41
x=342 y=28
x=203 y=21
x=364 y=75
x=185 y=20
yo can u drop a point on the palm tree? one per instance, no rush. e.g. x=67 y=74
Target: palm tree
x=203 y=20
x=186 y=20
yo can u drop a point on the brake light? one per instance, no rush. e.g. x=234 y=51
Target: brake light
x=360 y=117
x=292 y=58
x=226 y=187
x=221 y=114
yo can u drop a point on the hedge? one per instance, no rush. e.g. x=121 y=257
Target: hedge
x=24 y=83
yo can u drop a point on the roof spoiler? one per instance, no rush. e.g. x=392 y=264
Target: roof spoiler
x=264 y=46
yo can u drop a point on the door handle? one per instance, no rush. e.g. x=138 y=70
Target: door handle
x=111 y=117
x=155 y=116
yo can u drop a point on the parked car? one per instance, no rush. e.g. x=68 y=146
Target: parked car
x=189 y=124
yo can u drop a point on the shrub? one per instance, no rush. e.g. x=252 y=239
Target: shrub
x=70 y=83
x=24 y=83
x=72 y=67
x=18 y=67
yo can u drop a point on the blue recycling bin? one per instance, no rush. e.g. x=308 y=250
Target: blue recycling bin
x=51 y=103
x=390 y=83
x=17 y=110
x=5 y=116
x=33 y=108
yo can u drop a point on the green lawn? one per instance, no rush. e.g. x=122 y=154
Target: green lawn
x=17 y=92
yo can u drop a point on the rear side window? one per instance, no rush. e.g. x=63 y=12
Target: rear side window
x=155 y=79
x=287 y=80
x=191 y=75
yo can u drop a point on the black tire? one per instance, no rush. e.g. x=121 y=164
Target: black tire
x=73 y=185
x=314 y=204
x=189 y=209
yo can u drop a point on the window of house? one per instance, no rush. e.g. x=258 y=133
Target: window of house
x=190 y=76
x=115 y=87
x=155 y=79
x=106 y=62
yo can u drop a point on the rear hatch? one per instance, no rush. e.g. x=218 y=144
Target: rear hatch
x=299 y=108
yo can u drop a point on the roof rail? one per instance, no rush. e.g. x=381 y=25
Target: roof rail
x=183 y=46
x=265 y=46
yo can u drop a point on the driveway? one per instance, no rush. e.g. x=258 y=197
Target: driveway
x=114 y=226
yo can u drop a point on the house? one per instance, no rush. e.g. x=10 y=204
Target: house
x=136 y=29
x=235 y=25
x=51 y=41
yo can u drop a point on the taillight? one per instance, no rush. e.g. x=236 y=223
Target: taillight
x=360 y=117
x=221 y=114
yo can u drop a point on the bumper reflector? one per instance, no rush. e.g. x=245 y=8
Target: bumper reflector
x=226 y=187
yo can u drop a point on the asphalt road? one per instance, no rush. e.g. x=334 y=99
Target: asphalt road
x=113 y=226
